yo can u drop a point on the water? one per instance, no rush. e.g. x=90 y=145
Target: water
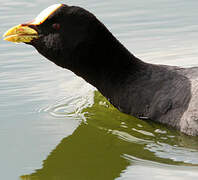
x=53 y=125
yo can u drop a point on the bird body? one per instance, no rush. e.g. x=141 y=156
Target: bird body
x=75 y=39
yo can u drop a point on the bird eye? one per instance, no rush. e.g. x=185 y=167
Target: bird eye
x=56 y=26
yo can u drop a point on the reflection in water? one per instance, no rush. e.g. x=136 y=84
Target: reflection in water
x=87 y=154
x=102 y=144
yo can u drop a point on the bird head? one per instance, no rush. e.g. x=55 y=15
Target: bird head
x=57 y=32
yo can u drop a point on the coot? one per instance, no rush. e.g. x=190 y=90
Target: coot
x=75 y=39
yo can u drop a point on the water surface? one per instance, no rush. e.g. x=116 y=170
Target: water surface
x=53 y=125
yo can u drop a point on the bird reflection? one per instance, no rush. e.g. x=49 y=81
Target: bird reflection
x=97 y=148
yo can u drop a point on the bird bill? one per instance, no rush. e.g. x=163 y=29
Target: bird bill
x=20 y=33
x=24 y=33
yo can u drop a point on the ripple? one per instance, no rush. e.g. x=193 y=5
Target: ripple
x=70 y=106
x=129 y=138
x=144 y=132
x=156 y=171
x=177 y=154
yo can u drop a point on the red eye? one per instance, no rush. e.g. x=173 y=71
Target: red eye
x=56 y=26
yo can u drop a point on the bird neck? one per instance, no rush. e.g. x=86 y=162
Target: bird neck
x=106 y=64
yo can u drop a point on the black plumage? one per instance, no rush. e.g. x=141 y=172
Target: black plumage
x=75 y=39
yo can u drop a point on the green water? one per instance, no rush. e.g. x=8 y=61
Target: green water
x=107 y=142
x=55 y=126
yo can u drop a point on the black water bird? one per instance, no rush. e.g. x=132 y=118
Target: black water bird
x=75 y=39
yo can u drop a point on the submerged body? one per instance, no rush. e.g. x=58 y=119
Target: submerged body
x=75 y=39
x=163 y=94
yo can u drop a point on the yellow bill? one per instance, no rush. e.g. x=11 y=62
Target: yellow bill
x=24 y=33
x=20 y=33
